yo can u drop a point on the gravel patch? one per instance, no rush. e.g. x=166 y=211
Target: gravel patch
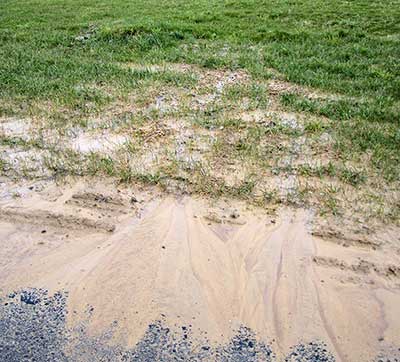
x=312 y=352
x=33 y=328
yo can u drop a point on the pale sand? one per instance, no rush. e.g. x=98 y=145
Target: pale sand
x=200 y=263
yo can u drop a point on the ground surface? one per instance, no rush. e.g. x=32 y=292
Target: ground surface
x=199 y=180
x=214 y=271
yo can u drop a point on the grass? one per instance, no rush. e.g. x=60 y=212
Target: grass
x=3 y=166
x=67 y=63
x=339 y=46
x=362 y=127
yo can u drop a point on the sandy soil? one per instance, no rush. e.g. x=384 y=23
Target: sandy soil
x=135 y=255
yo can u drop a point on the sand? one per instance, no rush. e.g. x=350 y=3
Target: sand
x=135 y=256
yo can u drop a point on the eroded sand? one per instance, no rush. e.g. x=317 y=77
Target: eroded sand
x=135 y=256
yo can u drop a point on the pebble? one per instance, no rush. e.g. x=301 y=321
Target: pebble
x=234 y=214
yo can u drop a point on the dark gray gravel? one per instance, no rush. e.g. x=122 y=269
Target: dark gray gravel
x=390 y=354
x=33 y=328
x=244 y=347
x=313 y=352
x=160 y=344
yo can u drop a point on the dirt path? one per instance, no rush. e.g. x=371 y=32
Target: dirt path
x=136 y=256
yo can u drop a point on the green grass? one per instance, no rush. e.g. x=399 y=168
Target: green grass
x=339 y=46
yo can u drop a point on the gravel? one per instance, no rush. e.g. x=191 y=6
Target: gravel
x=33 y=328
x=313 y=352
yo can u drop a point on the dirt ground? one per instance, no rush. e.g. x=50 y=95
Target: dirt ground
x=135 y=255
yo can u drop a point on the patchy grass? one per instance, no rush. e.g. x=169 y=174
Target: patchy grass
x=361 y=127
x=190 y=84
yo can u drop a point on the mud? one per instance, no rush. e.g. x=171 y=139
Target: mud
x=362 y=266
x=102 y=143
x=44 y=217
x=15 y=127
x=335 y=236
x=182 y=278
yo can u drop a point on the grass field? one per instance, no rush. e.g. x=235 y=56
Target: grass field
x=332 y=65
